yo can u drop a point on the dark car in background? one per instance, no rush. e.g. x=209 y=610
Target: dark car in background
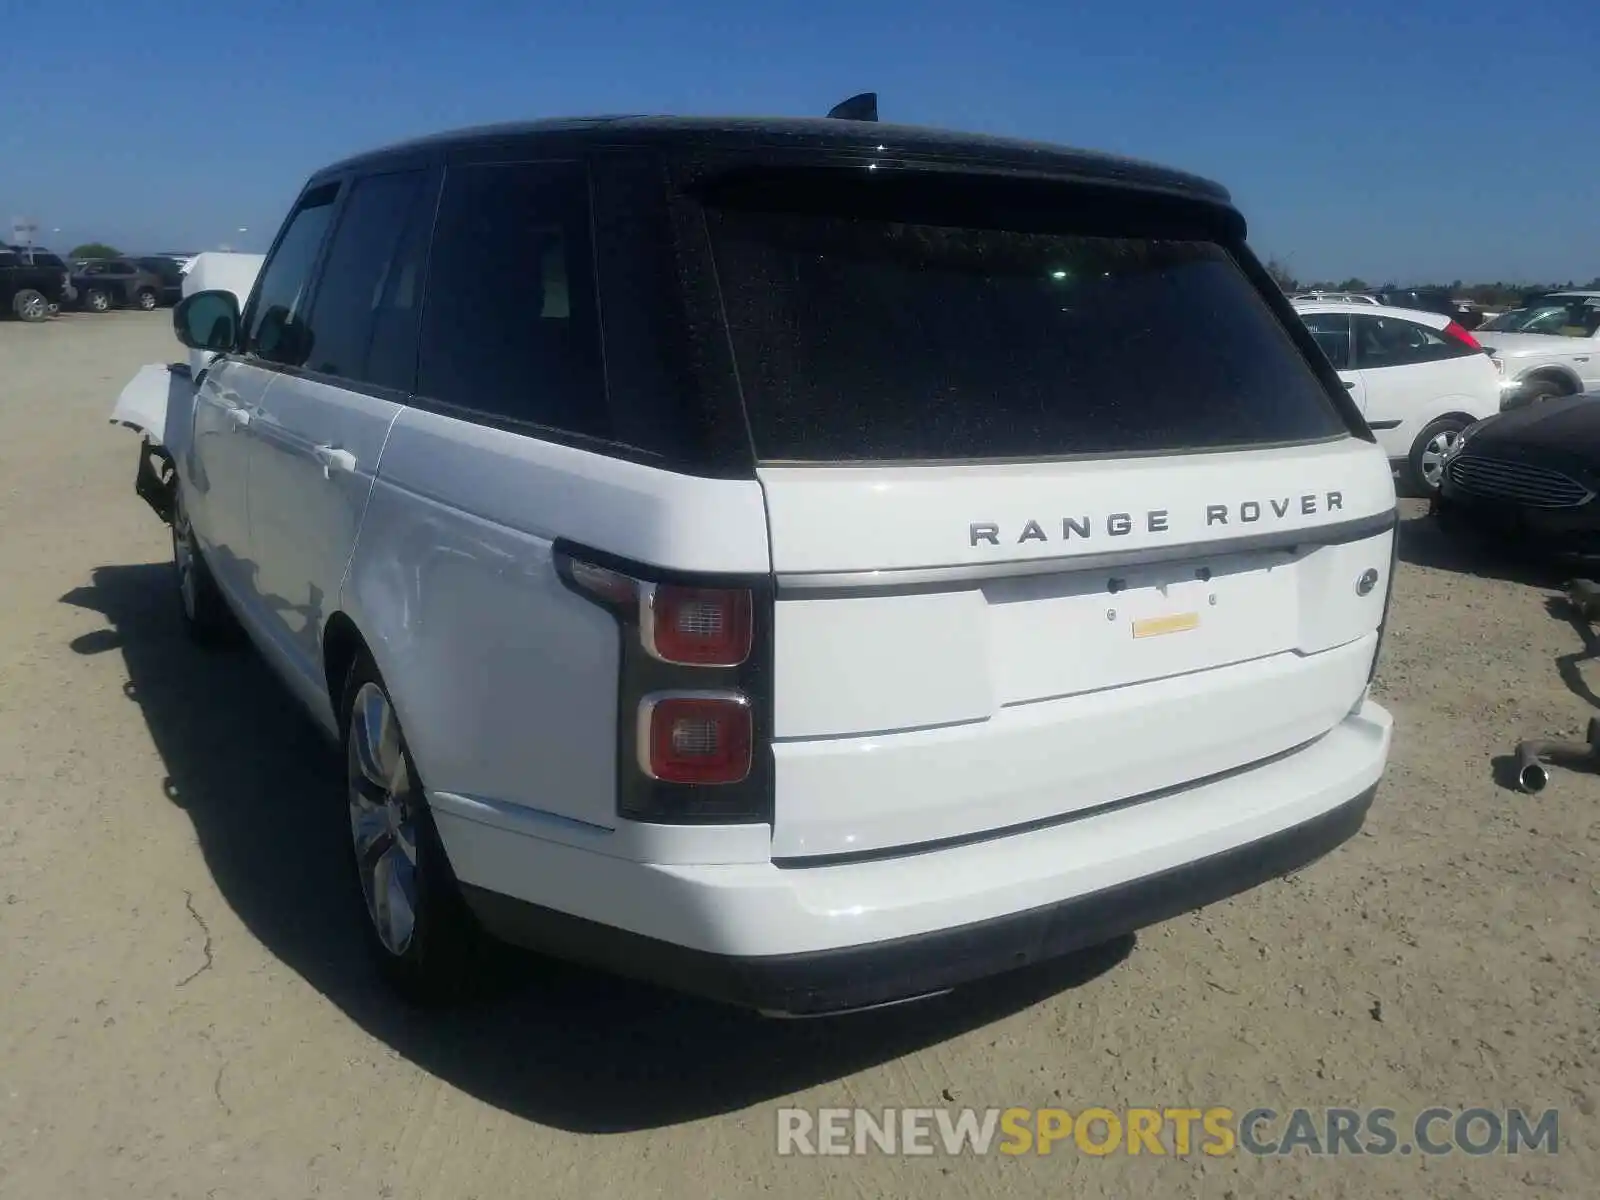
x=170 y=271
x=106 y=283
x=33 y=282
x=1528 y=478
x=1436 y=300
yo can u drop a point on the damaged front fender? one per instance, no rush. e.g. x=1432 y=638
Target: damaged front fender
x=157 y=403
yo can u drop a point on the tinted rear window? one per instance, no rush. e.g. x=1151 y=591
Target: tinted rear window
x=861 y=338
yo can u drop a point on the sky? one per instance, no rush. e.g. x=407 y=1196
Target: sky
x=1430 y=140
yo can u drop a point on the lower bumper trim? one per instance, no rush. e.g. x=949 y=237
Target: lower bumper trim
x=877 y=973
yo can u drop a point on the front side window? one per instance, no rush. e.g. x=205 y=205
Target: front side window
x=368 y=263
x=276 y=329
x=510 y=327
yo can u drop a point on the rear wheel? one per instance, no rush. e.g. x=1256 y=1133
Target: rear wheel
x=30 y=305
x=1425 y=464
x=147 y=300
x=96 y=300
x=419 y=932
x=207 y=619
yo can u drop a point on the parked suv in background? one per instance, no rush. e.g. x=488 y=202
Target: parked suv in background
x=33 y=282
x=106 y=283
x=1550 y=348
x=857 y=560
x=169 y=271
x=1419 y=378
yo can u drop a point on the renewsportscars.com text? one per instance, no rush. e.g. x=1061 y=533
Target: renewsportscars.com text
x=1177 y=1132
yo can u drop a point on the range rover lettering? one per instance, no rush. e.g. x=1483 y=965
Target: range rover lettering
x=728 y=603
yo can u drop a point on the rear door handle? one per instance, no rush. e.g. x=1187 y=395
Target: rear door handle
x=240 y=417
x=334 y=459
x=1349 y=385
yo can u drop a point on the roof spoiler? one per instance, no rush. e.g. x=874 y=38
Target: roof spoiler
x=863 y=107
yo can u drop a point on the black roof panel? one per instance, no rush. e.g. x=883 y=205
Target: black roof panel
x=801 y=135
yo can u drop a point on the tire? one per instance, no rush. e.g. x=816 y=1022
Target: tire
x=96 y=300
x=207 y=619
x=31 y=306
x=424 y=942
x=1424 y=465
x=146 y=300
x=1536 y=390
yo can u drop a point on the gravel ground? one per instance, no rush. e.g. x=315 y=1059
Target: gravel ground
x=185 y=1012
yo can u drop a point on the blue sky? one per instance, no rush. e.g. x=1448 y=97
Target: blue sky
x=1435 y=139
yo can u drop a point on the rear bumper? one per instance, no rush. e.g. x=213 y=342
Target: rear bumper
x=854 y=977
x=819 y=939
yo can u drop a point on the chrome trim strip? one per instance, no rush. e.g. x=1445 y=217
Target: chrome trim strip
x=855 y=582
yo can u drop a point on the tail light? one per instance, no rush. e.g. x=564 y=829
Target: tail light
x=693 y=691
x=1460 y=334
x=695 y=737
x=702 y=627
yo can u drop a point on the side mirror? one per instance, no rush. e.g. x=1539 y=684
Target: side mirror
x=208 y=321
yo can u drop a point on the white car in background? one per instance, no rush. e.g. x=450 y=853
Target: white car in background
x=1549 y=347
x=1419 y=377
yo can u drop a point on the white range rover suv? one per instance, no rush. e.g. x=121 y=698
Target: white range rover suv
x=810 y=563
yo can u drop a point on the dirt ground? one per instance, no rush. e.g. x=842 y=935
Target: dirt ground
x=184 y=1011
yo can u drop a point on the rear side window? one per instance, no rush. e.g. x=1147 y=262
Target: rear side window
x=368 y=284
x=276 y=327
x=1332 y=331
x=510 y=329
x=1395 y=342
x=864 y=338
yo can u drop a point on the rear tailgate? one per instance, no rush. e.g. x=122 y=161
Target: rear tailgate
x=927 y=687
x=1061 y=512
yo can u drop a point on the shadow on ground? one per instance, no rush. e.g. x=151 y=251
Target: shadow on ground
x=1423 y=543
x=560 y=1045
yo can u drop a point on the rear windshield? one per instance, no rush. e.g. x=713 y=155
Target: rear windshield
x=862 y=338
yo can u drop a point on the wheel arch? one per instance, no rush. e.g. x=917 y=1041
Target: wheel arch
x=342 y=643
x=1459 y=414
x=1553 y=373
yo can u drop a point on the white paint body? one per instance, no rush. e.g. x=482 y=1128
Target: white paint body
x=928 y=685
x=1401 y=401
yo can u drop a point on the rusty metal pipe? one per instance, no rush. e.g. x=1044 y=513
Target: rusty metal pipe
x=1535 y=753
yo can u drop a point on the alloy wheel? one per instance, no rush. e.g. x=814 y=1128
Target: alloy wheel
x=383 y=825
x=35 y=308
x=1434 y=453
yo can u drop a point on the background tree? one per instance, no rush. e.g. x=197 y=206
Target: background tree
x=1281 y=274
x=95 y=250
